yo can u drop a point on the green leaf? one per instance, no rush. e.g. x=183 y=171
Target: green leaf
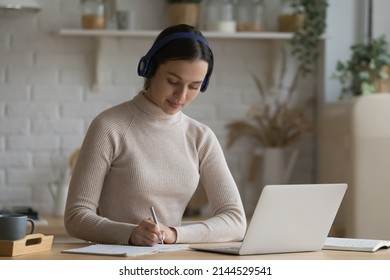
x=366 y=62
x=364 y=76
x=305 y=43
x=367 y=88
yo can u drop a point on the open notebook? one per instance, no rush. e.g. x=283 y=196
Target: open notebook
x=124 y=250
x=288 y=218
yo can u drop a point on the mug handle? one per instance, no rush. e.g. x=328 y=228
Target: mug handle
x=32 y=225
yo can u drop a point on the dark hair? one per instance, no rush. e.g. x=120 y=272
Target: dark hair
x=181 y=49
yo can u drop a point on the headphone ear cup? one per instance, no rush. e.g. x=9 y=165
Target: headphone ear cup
x=142 y=66
x=150 y=67
x=145 y=67
x=205 y=83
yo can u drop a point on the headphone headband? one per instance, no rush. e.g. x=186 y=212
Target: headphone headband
x=146 y=67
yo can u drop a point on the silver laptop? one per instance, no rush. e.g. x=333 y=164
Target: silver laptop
x=288 y=218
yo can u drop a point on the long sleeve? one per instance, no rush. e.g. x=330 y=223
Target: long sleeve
x=94 y=162
x=228 y=222
x=134 y=156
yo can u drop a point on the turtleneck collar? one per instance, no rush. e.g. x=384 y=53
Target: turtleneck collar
x=154 y=112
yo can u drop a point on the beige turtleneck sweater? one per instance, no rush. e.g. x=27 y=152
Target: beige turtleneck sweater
x=135 y=156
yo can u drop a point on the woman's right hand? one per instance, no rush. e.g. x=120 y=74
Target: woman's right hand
x=147 y=233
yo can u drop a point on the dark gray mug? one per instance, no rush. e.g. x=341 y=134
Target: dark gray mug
x=14 y=226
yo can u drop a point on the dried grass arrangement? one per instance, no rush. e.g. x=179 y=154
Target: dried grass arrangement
x=275 y=122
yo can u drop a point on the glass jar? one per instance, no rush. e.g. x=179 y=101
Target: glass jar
x=219 y=15
x=227 y=20
x=250 y=15
x=93 y=14
x=288 y=19
x=209 y=14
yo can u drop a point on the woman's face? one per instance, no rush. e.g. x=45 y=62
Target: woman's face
x=176 y=83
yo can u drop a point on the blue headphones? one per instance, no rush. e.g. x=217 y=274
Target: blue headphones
x=146 y=66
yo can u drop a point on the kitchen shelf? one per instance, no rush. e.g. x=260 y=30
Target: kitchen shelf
x=103 y=35
x=154 y=33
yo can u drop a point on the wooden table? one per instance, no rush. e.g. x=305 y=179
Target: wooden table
x=284 y=266
x=55 y=254
x=62 y=241
x=303 y=266
x=55 y=226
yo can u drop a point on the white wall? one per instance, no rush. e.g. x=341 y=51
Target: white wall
x=46 y=104
x=380 y=19
x=345 y=26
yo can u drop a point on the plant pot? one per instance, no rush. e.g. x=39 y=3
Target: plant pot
x=277 y=166
x=187 y=13
x=383 y=85
x=291 y=22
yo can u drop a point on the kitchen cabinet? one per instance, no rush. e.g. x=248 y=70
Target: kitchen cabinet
x=353 y=141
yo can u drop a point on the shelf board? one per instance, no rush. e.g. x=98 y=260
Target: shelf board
x=107 y=33
x=154 y=33
x=102 y=35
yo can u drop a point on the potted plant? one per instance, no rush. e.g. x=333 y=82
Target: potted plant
x=306 y=39
x=275 y=123
x=367 y=70
x=184 y=11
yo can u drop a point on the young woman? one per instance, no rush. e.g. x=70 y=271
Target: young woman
x=147 y=153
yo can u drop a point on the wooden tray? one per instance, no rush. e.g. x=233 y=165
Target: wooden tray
x=30 y=244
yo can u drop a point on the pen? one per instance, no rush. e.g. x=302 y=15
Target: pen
x=156 y=222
